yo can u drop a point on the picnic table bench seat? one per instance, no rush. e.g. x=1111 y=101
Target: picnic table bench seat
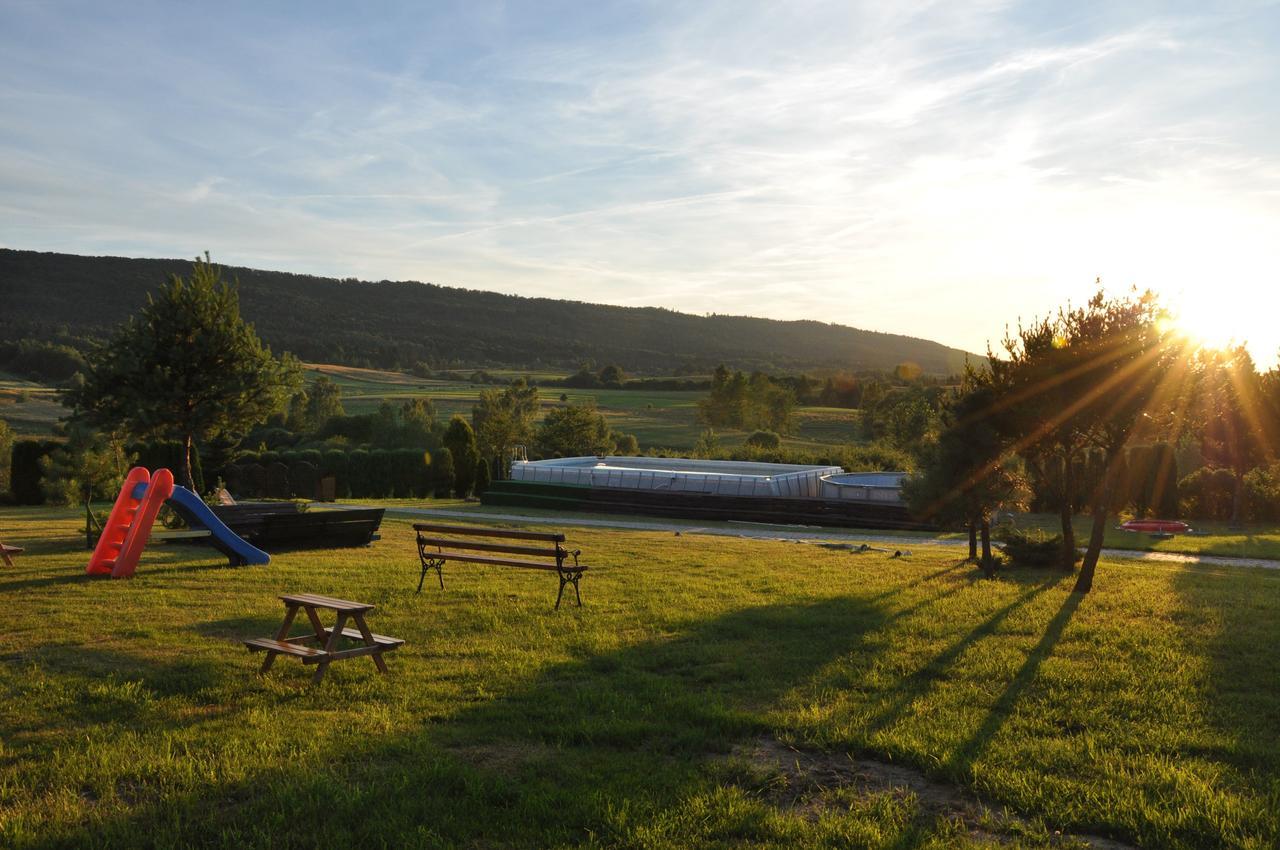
x=7 y=552
x=438 y=544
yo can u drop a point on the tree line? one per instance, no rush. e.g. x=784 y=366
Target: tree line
x=61 y=297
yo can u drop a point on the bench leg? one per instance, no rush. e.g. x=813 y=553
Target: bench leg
x=569 y=577
x=281 y=634
x=427 y=565
x=330 y=645
x=369 y=641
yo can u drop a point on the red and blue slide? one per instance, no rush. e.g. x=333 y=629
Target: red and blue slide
x=129 y=526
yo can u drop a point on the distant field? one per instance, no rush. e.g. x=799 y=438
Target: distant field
x=658 y=418
x=29 y=408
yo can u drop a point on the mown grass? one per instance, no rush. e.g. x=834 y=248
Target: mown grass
x=132 y=716
x=1252 y=540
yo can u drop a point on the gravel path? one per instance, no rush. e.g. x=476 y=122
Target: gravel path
x=811 y=534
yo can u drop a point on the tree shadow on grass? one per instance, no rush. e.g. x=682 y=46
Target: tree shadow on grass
x=585 y=749
x=100 y=686
x=1233 y=623
x=960 y=764
x=918 y=684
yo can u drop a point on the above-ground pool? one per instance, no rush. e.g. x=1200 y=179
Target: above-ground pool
x=714 y=477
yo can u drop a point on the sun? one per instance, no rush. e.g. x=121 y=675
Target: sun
x=1207 y=322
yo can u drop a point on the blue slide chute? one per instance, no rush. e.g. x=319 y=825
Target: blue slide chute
x=197 y=514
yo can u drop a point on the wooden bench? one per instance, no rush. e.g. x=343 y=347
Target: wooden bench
x=372 y=644
x=440 y=543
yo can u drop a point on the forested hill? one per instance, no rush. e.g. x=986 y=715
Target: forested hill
x=69 y=298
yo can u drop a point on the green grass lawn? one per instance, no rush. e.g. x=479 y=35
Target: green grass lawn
x=706 y=695
x=1253 y=540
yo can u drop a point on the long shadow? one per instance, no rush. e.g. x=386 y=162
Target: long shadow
x=919 y=683
x=961 y=761
x=898 y=590
x=560 y=760
x=1231 y=622
x=107 y=686
x=77 y=577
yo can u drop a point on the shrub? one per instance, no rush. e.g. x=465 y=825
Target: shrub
x=277 y=480
x=1262 y=493
x=1032 y=550
x=360 y=474
x=876 y=457
x=233 y=478
x=442 y=474
x=408 y=474
x=304 y=479
x=1207 y=493
x=169 y=454
x=255 y=478
x=26 y=476
x=765 y=440
x=335 y=463
x=382 y=474
x=482 y=476
x=6 y=454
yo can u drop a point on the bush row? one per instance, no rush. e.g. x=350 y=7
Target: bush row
x=1146 y=481
x=358 y=474
x=1209 y=494
x=26 y=477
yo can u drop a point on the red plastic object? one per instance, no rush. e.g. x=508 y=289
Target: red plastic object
x=160 y=489
x=111 y=541
x=1159 y=526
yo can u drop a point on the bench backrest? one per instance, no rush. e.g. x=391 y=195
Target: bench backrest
x=529 y=543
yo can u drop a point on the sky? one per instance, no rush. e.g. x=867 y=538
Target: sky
x=939 y=169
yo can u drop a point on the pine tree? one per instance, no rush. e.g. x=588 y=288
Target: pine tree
x=186 y=367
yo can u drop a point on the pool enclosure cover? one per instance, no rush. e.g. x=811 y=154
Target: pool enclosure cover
x=714 y=478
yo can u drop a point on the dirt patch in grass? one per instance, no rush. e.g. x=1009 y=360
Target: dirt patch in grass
x=505 y=759
x=805 y=779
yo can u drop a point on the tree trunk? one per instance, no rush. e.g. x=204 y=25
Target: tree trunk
x=1068 y=561
x=1068 y=529
x=1101 y=507
x=188 y=481
x=988 y=563
x=1237 y=498
x=973 y=540
x=1084 y=582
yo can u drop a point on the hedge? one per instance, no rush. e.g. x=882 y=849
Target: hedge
x=25 y=475
x=358 y=474
x=170 y=454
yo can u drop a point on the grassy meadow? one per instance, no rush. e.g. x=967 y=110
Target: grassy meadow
x=711 y=692
x=29 y=408
x=661 y=418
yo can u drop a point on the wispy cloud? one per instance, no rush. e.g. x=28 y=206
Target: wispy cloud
x=928 y=168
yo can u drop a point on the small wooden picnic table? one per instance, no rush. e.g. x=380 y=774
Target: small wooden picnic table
x=327 y=652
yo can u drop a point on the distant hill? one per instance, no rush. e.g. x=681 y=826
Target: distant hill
x=69 y=298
